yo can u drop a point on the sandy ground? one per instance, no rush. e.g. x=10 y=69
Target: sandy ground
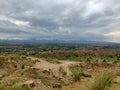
x=44 y=65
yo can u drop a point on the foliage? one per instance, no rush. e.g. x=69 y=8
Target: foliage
x=77 y=74
x=102 y=81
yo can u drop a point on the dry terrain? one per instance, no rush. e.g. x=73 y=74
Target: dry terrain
x=39 y=74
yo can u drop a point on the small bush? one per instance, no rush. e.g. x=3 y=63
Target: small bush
x=23 y=66
x=62 y=71
x=102 y=81
x=77 y=74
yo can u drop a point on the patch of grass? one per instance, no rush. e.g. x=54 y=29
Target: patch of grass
x=102 y=81
x=77 y=74
x=14 y=88
x=91 y=59
x=62 y=71
x=23 y=66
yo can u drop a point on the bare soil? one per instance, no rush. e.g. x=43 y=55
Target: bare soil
x=43 y=75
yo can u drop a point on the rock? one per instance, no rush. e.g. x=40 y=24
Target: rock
x=1 y=76
x=46 y=72
x=57 y=85
x=29 y=83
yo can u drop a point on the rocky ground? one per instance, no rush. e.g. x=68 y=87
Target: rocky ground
x=40 y=74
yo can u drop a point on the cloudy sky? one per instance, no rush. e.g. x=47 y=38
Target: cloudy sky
x=97 y=20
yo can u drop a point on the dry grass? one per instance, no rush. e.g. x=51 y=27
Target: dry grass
x=77 y=74
x=14 y=88
x=102 y=81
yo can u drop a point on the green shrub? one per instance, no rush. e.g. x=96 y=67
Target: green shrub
x=77 y=74
x=102 y=81
x=23 y=66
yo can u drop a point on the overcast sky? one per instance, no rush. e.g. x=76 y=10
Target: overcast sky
x=97 y=20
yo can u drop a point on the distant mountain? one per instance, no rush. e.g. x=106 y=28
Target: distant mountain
x=52 y=41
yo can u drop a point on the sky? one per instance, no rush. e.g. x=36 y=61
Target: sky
x=95 y=20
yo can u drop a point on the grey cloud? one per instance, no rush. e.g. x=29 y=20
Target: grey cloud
x=60 y=19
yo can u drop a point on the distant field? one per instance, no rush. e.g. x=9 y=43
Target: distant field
x=74 y=52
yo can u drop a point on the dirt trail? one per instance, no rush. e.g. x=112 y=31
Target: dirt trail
x=45 y=65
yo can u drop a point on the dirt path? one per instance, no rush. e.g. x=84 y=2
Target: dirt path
x=45 y=65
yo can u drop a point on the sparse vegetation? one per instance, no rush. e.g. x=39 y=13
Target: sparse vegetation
x=62 y=71
x=23 y=66
x=102 y=81
x=77 y=74
x=15 y=88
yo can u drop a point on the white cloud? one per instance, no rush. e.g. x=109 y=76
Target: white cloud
x=93 y=7
x=14 y=21
x=113 y=36
x=19 y=23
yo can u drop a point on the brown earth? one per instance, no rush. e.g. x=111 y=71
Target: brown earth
x=43 y=75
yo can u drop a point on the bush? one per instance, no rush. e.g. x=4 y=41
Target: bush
x=102 y=81
x=23 y=66
x=77 y=74
x=62 y=71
